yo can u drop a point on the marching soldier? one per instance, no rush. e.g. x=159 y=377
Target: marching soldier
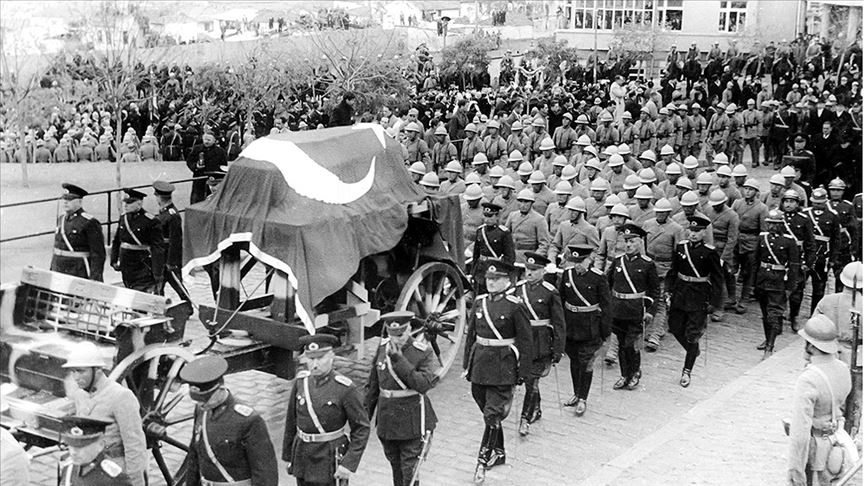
x=493 y=241
x=418 y=150
x=471 y=146
x=664 y=129
x=405 y=370
x=527 y=227
x=495 y=147
x=87 y=463
x=846 y=214
x=718 y=133
x=136 y=251
x=172 y=238
x=634 y=285
x=826 y=227
x=695 y=129
x=322 y=406
x=230 y=444
x=693 y=282
x=800 y=229
x=543 y=303
x=574 y=231
x=779 y=263
x=644 y=132
x=751 y=223
x=585 y=297
x=498 y=357
x=79 y=247
x=724 y=223
x=662 y=236
x=564 y=136
x=472 y=213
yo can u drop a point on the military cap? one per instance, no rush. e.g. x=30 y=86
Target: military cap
x=731 y=108
x=163 y=188
x=559 y=161
x=440 y=130
x=473 y=192
x=567 y=115
x=647 y=175
x=696 y=106
x=774 y=216
x=624 y=149
x=73 y=191
x=613 y=200
x=397 y=322
x=787 y=171
x=819 y=195
x=430 y=179
x=417 y=168
x=318 y=344
x=499 y=268
x=493 y=124
x=515 y=156
x=618 y=209
x=717 y=197
x=664 y=111
x=648 y=155
x=495 y=171
x=215 y=176
x=704 y=179
x=691 y=162
x=480 y=159
x=698 y=222
x=205 y=372
x=662 y=205
x=79 y=431
x=777 y=180
x=505 y=181
x=591 y=150
x=752 y=183
x=791 y=194
x=563 y=187
x=626 y=116
x=599 y=184
x=611 y=150
x=526 y=195
x=644 y=192
x=673 y=169
x=582 y=120
x=821 y=332
x=689 y=198
x=632 y=230
x=538 y=122
x=576 y=203
x=537 y=177
x=471 y=128
x=517 y=126
x=631 y=182
x=133 y=195
x=412 y=127
x=547 y=144
x=535 y=260
x=837 y=183
x=615 y=160
x=583 y=140
x=491 y=207
x=580 y=251
x=593 y=163
x=525 y=168
x=724 y=171
x=739 y=171
x=453 y=166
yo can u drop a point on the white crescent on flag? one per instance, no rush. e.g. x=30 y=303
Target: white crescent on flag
x=307 y=177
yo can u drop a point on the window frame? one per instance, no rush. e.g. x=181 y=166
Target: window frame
x=730 y=9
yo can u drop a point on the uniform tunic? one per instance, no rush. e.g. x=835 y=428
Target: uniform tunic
x=336 y=402
x=543 y=199
x=172 y=234
x=84 y=236
x=472 y=218
x=694 y=282
x=546 y=317
x=495 y=148
x=611 y=247
x=570 y=233
x=529 y=232
x=140 y=257
x=102 y=471
x=751 y=222
x=492 y=242
x=584 y=323
x=643 y=275
x=239 y=441
x=498 y=365
x=725 y=227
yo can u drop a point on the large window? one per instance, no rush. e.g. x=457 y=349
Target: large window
x=669 y=13
x=613 y=14
x=732 y=16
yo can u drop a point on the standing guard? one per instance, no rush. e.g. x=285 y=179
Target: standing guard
x=136 y=251
x=585 y=297
x=79 y=247
x=635 y=286
x=694 y=283
x=497 y=358
x=405 y=370
x=172 y=238
x=230 y=443
x=493 y=241
x=322 y=406
x=543 y=303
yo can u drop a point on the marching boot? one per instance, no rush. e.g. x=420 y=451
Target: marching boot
x=685 y=379
x=483 y=455
x=769 y=345
x=499 y=455
x=536 y=413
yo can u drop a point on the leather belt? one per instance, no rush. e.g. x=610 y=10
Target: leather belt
x=325 y=437
x=207 y=482
x=773 y=266
x=495 y=342
x=826 y=239
x=71 y=254
x=131 y=246
x=398 y=393
x=749 y=231
x=540 y=322
x=688 y=278
x=628 y=296
x=581 y=308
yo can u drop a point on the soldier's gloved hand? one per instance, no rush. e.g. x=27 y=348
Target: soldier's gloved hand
x=342 y=472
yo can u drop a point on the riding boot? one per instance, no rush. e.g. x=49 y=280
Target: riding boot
x=483 y=455
x=536 y=413
x=499 y=455
x=528 y=400
x=769 y=344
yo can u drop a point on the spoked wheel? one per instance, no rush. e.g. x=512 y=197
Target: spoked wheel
x=152 y=373
x=434 y=292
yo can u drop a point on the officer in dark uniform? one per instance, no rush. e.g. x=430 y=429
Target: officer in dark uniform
x=585 y=297
x=405 y=369
x=79 y=247
x=497 y=358
x=846 y=214
x=137 y=249
x=493 y=241
x=800 y=229
x=546 y=317
x=204 y=158
x=779 y=263
x=695 y=283
x=635 y=286
x=86 y=463
x=322 y=406
x=826 y=235
x=172 y=238
x=230 y=444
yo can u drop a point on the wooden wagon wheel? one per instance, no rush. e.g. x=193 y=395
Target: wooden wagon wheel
x=152 y=373
x=434 y=292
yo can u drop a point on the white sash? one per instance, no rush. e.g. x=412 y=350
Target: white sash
x=690 y=260
x=576 y=291
x=309 y=407
x=209 y=451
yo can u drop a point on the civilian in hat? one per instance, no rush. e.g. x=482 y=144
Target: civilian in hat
x=172 y=238
x=546 y=317
x=694 y=283
x=221 y=419
x=635 y=288
x=498 y=356
x=405 y=370
x=204 y=158
x=819 y=399
x=96 y=397
x=87 y=462
x=322 y=406
x=493 y=241
x=137 y=251
x=585 y=298
x=79 y=247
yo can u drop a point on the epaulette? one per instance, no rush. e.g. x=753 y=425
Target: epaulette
x=420 y=345
x=343 y=380
x=86 y=216
x=710 y=247
x=548 y=285
x=243 y=410
x=111 y=468
x=502 y=227
x=303 y=374
x=511 y=290
x=149 y=216
x=514 y=299
x=597 y=271
x=646 y=258
x=519 y=283
x=384 y=341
